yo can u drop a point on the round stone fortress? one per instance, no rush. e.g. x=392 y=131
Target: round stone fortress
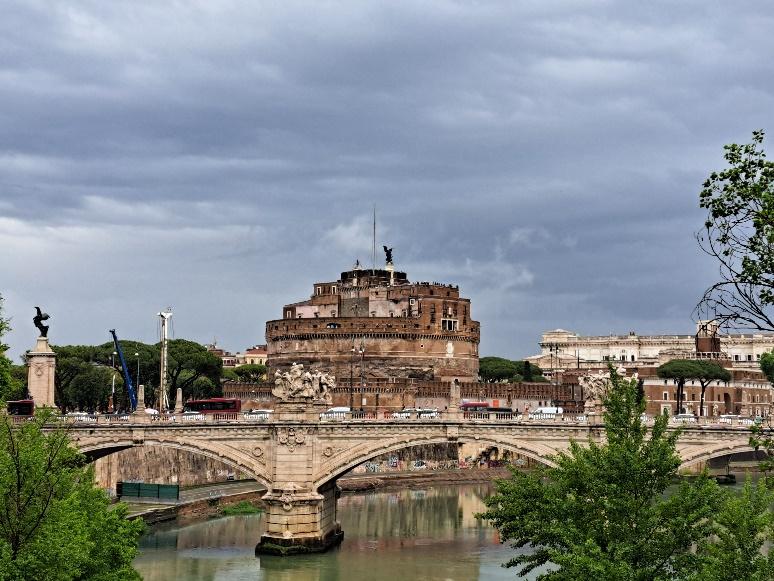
x=376 y=324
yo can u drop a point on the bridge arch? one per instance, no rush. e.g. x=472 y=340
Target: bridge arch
x=228 y=456
x=539 y=453
x=690 y=456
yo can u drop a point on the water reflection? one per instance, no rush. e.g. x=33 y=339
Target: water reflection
x=410 y=534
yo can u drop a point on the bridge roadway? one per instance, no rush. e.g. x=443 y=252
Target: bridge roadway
x=298 y=456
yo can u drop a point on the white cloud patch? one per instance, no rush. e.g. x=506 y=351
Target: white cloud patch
x=533 y=152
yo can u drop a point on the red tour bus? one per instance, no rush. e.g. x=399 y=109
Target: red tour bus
x=213 y=405
x=474 y=406
x=22 y=407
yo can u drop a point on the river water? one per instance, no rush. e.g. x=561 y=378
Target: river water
x=429 y=534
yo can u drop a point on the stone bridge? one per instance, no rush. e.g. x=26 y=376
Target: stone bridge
x=298 y=455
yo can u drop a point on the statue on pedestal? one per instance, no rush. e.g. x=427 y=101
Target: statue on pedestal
x=388 y=254
x=41 y=364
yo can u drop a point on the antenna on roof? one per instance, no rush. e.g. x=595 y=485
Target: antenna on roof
x=373 y=255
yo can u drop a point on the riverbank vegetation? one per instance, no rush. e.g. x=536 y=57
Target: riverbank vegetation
x=242 y=507
x=54 y=522
x=601 y=511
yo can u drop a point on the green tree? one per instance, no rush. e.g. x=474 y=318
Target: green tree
x=251 y=372
x=90 y=389
x=527 y=371
x=54 y=524
x=709 y=371
x=740 y=529
x=601 y=513
x=739 y=234
x=680 y=370
x=10 y=387
x=493 y=369
x=189 y=361
x=767 y=366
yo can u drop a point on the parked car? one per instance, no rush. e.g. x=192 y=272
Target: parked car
x=407 y=413
x=81 y=417
x=335 y=413
x=258 y=415
x=684 y=418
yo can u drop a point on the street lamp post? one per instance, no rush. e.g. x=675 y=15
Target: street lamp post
x=362 y=372
x=112 y=402
x=352 y=377
x=138 y=369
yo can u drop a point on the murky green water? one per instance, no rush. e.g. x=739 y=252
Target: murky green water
x=428 y=534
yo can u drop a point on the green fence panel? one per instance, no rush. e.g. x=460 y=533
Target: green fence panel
x=129 y=489
x=144 y=490
x=169 y=491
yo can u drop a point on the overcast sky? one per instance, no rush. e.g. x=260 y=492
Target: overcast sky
x=220 y=157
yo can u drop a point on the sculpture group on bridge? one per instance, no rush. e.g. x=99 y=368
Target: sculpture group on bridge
x=298 y=384
x=595 y=387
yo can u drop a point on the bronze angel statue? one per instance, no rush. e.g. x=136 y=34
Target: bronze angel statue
x=38 y=320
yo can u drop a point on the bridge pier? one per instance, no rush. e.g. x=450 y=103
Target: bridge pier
x=299 y=523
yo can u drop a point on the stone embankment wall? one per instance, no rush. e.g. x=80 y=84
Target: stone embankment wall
x=161 y=466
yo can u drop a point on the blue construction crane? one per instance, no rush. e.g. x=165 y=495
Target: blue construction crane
x=127 y=379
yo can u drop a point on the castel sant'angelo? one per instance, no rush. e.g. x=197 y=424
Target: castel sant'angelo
x=374 y=323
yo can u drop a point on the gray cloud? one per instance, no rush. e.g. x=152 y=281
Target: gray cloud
x=220 y=158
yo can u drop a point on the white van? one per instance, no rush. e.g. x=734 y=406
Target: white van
x=548 y=410
x=545 y=413
x=258 y=415
x=335 y=413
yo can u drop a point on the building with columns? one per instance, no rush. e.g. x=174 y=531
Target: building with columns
x=566 y=355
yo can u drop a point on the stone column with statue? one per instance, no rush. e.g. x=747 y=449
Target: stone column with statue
x=41 y=365
x=299 y=517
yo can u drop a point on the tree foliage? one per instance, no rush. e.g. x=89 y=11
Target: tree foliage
x=767 y=366
x=84 y=376
x=701 y=370
x=54 y=523
x=492 y=369
x=10 y=386
x=251 y=373
x=739 y=234
x=601 y=512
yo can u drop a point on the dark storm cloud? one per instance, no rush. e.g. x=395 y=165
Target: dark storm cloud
x=220 y=157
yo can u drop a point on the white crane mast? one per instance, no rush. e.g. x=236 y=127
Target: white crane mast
x=163 y=392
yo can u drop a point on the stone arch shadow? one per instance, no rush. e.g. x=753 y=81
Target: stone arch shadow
x=706 y=455
x=540 y=453
x=102 y=449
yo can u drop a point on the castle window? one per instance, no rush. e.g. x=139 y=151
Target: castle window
x=666 y=396
x=449 y=324
x=288 y=314
x=333 y=289
x=749 y=358
x=318 y=290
